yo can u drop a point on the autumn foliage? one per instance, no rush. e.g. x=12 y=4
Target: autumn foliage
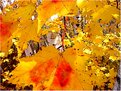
x=78 y=49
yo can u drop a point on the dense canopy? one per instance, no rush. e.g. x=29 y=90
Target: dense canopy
x=59 y=44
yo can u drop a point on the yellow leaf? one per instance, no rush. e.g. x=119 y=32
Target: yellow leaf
x=104 y=13
x=53 y=7
x=21 y=75
x=17 y=14
x=25 y=33
x=89 y=6
x=67 y=42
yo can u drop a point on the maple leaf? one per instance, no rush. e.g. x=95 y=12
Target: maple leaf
x=105 y=15
x=49 y=69
x=25 y=33
x=77 y=67
x=53 y=7
x=88 y=6
x=20 y=75
x=17 y=14
x=21 y=22
x=6 y=30
x=36 y=69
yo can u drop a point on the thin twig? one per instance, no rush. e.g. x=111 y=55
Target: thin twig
x=63 y=32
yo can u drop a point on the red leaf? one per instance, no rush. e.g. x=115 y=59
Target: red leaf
x=63 y=74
